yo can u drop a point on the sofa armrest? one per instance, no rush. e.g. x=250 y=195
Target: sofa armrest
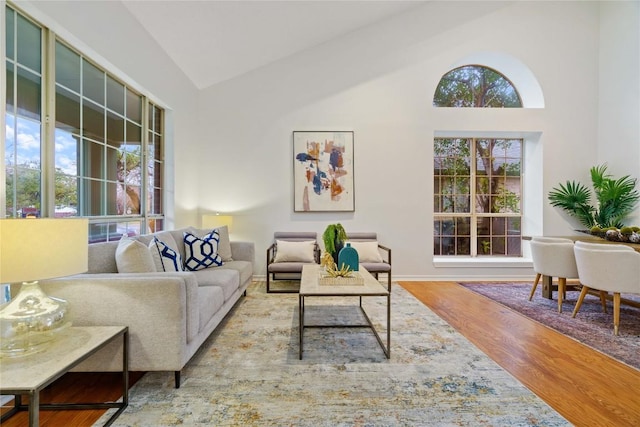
x=243 y=251
x=160 y=309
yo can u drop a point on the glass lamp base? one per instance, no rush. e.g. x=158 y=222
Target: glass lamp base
x=30 y=321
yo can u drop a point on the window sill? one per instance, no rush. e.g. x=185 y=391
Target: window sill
x=483 y=262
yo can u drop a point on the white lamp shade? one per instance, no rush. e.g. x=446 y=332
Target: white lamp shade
x=215 y=221
x=42 y=248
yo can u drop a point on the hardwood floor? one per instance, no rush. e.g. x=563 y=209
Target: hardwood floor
x=75 y=387
x=586 y=387
x=583 y=385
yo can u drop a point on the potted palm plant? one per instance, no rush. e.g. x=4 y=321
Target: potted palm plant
x=615 y=199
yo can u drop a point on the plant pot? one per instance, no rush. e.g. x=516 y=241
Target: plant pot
x=339 y=245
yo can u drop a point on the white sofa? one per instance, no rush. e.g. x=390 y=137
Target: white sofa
x=169 y=314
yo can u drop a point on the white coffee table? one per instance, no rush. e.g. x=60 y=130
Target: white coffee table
x=310 y=287
x=28 y=375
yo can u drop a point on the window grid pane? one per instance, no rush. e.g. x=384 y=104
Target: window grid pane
x=109 y=146
x=486 y=171
x=23 y=112
x=99 y=149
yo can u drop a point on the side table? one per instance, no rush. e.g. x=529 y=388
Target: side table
x=29 y=375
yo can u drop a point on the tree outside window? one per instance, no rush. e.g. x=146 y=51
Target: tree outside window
x=476 y=86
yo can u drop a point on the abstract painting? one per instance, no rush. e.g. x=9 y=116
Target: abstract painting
x=323 y=171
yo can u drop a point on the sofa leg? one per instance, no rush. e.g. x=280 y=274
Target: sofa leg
x=177 y=378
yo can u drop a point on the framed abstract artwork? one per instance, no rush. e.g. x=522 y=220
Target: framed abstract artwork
x=323 y=171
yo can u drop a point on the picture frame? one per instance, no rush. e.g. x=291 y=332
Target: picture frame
x=323 y=173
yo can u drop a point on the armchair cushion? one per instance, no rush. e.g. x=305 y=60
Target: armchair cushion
x=287 y=251
x=367 y=251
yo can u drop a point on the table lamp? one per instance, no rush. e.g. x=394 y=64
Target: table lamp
x=217 y=220
x=32 y=250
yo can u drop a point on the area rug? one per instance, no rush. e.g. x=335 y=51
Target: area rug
x=248 y=373
x=591 y=326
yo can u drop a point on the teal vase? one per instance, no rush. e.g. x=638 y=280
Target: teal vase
x=348 y=256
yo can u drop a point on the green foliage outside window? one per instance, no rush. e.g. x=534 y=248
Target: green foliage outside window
x=476 y=86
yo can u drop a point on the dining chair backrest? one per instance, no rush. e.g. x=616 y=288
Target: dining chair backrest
x=610 y=268
x=604 y=246
x=554 y=257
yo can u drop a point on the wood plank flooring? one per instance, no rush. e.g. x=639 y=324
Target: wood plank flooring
x=586 y=387
x=583 y=385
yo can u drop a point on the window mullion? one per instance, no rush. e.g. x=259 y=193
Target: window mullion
x=472 y=208
x=48 y=125
x=3 y=95
x=144 y=151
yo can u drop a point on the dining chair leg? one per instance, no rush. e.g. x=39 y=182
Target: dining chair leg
x=616 y=312
x=583 y=293
x=535 y=285
x=603 y=301
x=562 y=285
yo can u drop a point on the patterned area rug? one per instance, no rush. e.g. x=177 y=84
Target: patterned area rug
x=591 y=326
x=248 y=373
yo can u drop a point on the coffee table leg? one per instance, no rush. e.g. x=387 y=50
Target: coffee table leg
x=389 y=326
x=301 y=321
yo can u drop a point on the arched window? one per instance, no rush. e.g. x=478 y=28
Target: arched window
x=476 y=86
x=477 y=179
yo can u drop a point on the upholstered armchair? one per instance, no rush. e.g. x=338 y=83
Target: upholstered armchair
x=286 y=256
x=607 y=268
x=373 y=256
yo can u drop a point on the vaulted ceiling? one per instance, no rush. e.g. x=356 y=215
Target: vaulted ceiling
x=212 y=41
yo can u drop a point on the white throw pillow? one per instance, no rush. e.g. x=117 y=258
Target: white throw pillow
x=367 y=251
x=201 y=253
x=287 y=251
x=133 y=256
x=164 y=256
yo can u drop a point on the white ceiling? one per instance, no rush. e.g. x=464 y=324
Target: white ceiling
x=212 y=41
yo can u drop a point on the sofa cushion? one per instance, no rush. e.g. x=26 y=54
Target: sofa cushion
x=210 y=299
x=102 y=257
x=367 y=251
x=245 y=268
x=225 y=278
x=165 y=256
x=287 y=251
x=201 y=253
x=133 y=257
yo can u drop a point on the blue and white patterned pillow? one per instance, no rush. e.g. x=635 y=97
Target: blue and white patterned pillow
x=202 y=252
x=164 y=256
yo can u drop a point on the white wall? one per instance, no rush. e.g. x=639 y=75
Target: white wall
x=379 y=82
x=231 y=144
x=619 y=121
x=106 y=32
